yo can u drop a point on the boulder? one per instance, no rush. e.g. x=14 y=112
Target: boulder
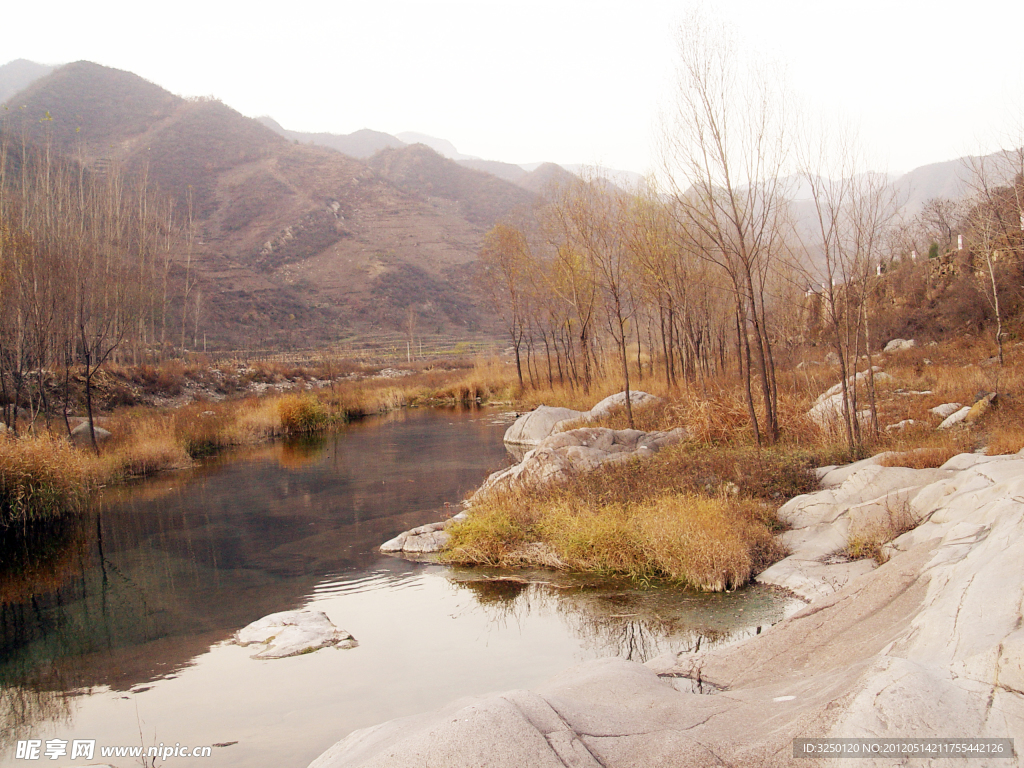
x=946 y=409
x=544 y=421
x=290 y=633
x=532 y=427
x=424 y=540
x=900 y=345
x=579 y=450
x=636 y=398
x=900 y=426
x=955 y=418
x=80 y=434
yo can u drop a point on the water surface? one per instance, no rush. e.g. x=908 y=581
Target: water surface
x=122 y=633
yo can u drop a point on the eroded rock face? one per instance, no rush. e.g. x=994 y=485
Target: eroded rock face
x=578 y=450
x=928 y=644
x=291 y=633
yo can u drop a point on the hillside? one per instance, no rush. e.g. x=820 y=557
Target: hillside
x=481 y=198
x=360 y=144
x=297 y=244
x=17 y=75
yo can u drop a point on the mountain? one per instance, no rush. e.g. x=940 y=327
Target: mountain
x=19 y=74
x=481 y=198
x=360 y=144
x=441 y=146
x=298 y=244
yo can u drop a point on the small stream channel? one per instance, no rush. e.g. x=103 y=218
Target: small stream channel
x=121 y=632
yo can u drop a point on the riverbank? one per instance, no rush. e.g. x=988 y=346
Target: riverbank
x=45 y=474
x=927 y=645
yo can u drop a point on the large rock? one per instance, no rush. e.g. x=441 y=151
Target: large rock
x=929 y=644
x=578 y=450
x=80 y=434
x=544 y=421
x=424 y=540
x=900 y=345
x=636 y=398
x=946 y=409
x=532 y=427
x=290 y=633
x=827 y=411
x=955 y=418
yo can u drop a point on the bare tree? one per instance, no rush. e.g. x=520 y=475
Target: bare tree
x=725 y=146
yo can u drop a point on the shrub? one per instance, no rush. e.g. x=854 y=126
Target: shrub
x=302 y=415
x=41 y=477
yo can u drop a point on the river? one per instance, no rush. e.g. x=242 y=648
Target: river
x=120 y=631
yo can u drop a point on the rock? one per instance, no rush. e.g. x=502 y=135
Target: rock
x=636 y=398
x=80 y=434
x=831 y=358
x=424 y=540
x=955 y=418
x=980 y=408
x=3 y=428
x=929 y=643
x=900 y=345
x=900 y=426
x=544 y=421
x=579 y=450
x=290 y=633
x=532 y=427
x=946 y=409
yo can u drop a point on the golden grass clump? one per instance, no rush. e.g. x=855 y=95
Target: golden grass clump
x=869 y=540
x=303 y=415
x=41 y=476
x=705 y=542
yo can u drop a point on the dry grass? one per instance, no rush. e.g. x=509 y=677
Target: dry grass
x=705 y=542
x=40 y=477
x=929 y=450
x=869 y=541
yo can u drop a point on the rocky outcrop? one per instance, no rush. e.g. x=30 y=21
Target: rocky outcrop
x=291 y=633
x=542 y=422
x=578 y=450
x=424 y=540
x=929 y=644
x=555 y=457
x=827 y=411
x=900 y=345
x=532 y=427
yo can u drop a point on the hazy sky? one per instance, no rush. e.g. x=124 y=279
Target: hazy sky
x=572 y=82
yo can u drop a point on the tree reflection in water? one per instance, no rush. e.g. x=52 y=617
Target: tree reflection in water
x=37 y=561
x=613 y=619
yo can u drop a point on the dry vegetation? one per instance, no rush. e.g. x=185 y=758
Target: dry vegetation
x=43 y=475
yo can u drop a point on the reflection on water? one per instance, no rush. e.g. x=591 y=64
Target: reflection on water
x=616 y=618
x=118 y=629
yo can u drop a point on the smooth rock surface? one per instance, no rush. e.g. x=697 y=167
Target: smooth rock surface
x=946 y=409
x=80 y=434
x=955 y=418
x=542 y=422
x=929 y=644
x=423 y=540
x=532 y=427
x=579 y=450
x=290 y=633
x=899 y=345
